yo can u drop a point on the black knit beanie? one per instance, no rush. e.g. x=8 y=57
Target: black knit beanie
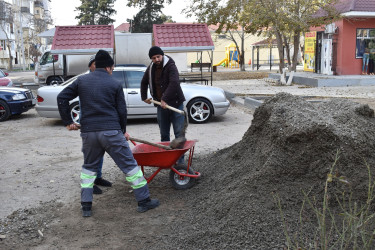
x=155 y=50
x=103 y=59
x=92 y=59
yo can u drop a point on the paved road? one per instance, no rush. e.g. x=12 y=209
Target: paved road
x=19 y=77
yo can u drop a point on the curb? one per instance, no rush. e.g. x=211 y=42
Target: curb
x=246 y=102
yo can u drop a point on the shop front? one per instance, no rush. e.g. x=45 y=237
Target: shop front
x=345 y=47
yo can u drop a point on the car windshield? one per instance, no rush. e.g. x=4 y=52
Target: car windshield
x=47 y=58
x=2 y=74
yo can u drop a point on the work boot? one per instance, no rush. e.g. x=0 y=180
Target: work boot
x=147 y=204
x=102 y=182
x=86 y=209
x=97 y=190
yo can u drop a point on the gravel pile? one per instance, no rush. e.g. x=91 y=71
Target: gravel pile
x=290 y=146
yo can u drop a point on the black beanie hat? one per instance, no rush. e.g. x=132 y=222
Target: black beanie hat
x=92 y=59
x=155 y=50
x=103 y=59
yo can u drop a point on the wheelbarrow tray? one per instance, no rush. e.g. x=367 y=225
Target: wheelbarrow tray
x=147 y=155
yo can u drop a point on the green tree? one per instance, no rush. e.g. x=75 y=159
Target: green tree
x=93 y=12
x=6 y=24
x=149 y=14
x=227 y=15
x=283 y=19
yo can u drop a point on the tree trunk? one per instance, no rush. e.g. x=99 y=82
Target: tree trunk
x=242 y=55
x=287 y=49
x=296 y=44
x=280 y=48
x=10 y=63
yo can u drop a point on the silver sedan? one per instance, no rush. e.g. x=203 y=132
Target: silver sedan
x=202 y=102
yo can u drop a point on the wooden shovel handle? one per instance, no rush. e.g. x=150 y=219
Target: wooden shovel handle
x=150 y=143
x=169 y=107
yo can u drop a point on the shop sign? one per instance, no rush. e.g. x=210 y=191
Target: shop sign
x=310 y=42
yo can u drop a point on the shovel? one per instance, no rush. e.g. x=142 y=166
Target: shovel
x=150 y=143
x=168 y=107
x=180 y=141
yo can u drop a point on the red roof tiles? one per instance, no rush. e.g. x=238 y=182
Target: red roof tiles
x=355 y=5
x=124 y=27
x=347 y=6
x=83 y=37
x=182 y=35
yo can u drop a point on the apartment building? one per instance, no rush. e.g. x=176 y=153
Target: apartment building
x=20 y=22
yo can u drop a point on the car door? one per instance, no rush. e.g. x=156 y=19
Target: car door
x=136 y=107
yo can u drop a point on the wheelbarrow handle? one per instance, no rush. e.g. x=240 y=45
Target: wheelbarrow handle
x=150 y=143
x=169 y=107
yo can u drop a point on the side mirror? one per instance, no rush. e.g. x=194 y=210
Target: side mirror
x=6 y=74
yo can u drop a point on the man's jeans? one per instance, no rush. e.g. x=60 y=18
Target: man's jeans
x=167 y=117
x=99 y=175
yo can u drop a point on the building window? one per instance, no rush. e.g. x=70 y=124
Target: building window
x=2 y=44
x=365 y=42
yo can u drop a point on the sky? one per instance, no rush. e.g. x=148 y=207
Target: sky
x=63 y=11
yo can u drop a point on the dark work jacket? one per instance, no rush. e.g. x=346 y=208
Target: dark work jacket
x=170 y=83
x=102 y=100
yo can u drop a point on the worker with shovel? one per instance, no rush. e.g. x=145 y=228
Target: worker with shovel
x=103 y=129
x=99 y=181
x=162 y=78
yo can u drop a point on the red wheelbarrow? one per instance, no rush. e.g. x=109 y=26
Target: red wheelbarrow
x=181 y=177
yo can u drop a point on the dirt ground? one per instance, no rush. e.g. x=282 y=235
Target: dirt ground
x=40 y=167
x=230 y=207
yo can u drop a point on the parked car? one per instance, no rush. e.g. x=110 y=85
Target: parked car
x=202 y=102
x=14 y=101
x=4 y=80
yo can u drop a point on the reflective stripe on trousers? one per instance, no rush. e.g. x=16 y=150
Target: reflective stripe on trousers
x=87 y=183
x=87 y=178
x=136 y=178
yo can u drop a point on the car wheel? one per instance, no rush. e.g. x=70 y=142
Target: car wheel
x=75 y=111
x=54 y=80
x=4 y=111
x=199 y=110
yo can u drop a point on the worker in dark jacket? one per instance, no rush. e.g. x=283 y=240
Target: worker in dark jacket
x=162 y=78
x=103 y=129
x=99 y=181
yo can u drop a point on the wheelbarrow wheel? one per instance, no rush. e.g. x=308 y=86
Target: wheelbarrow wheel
x=182 y=182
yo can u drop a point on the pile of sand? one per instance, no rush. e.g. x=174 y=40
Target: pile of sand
x=289 y=147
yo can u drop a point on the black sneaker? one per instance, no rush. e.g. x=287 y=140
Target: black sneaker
x=102 y=182
x=86 y=209
x=97 y=190
x=147 y=204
